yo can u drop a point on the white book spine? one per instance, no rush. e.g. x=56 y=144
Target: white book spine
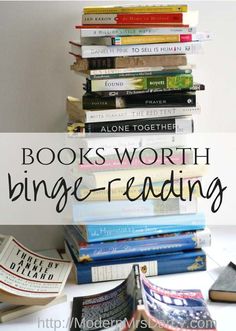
x=139 y=50
x=135 y=32
x=201 y=36
x=138 y=113
x=121 y=271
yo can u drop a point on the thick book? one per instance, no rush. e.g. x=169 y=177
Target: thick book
x=135 y=9
x=138 y=304
x=122 y=93
x=135 y=50
x=147 y=39
x=170 y=125
x=150 y=100
x=138 y=31
x=144 y=226
x=156 y=244
x=163 y=81
x=181 y=188
x=28 y=278
x=157 y=264
x=130 y=62
x=224 y=288
x=189 y=18
x=108 y=210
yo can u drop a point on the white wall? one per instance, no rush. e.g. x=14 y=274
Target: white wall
x=35 y=77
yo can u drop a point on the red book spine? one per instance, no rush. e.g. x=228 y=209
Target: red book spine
x=149 y=18
x=131 y=26
x=184 y=38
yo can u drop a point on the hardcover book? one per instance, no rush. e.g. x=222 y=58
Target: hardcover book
x=189 y=18
x=155 y=264
x=224 y=288
x=156 y=244
x=137 y=303
x=141 y=227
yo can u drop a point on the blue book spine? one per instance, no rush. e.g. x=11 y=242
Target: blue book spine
x=153 y=265
x=164 y=243
x=143 y=226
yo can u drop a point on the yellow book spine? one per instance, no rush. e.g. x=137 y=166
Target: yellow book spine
x=132 y=40
x=134 y=192
x=136 y=10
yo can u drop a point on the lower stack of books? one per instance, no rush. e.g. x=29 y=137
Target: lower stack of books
x=107 y=252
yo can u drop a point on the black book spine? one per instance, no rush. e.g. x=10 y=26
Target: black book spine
x=163 y=125
x=197 y=87
x=183 y=99
x=101 y=63
x=93 y=102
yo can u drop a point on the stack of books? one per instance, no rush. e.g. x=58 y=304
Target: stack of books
x=140 y=95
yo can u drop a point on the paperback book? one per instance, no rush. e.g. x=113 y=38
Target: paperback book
x=138 y=303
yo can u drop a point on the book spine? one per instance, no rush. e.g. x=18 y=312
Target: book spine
x=145 y=227
x=117 y=195
x=127 y=114
x=142 y=83
x=166 y=125
x=144 y=49
x=135 y=32
x=156 y=100
x=120 y=73
x=160 y=264
x=113 y=164
x=104 y=94
x=95 y=63
x=94 y=211
x=144 y=18
x=136 y=9
x=132 y=40
x=129 y=62
x=144 y=246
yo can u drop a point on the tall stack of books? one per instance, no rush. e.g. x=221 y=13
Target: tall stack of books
x=139 y=98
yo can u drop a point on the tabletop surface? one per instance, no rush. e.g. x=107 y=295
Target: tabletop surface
x=222 y=251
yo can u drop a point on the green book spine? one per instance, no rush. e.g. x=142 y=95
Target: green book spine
x=142 y=83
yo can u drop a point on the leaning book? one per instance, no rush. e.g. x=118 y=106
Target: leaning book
x=28 y=278
x=137 y=303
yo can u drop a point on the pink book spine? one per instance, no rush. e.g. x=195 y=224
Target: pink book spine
x=136 y=163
